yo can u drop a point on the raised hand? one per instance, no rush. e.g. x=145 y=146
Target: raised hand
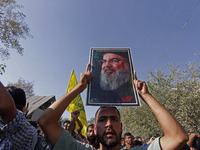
x=85 y=78
x=75 y=114
x=140 y=86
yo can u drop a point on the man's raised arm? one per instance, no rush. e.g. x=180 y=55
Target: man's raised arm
x=49 y=119
x=174 y=135
x=8 y=110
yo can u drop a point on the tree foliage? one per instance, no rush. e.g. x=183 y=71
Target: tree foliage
x=27 y=86
x=91 y=121
x=12 y=28
x=2 y=68
x=178 y=91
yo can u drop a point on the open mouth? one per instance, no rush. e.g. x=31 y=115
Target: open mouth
x=109 y=134
x=109 y=71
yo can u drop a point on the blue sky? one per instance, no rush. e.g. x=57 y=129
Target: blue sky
x=158 y=33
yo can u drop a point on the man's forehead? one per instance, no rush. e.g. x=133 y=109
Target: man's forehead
x=108 y=112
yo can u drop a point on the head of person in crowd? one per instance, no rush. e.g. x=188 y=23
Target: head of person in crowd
x=196 y=143
x=108 y=128
x=138 y=141
x=90 y=134
x=128 y=139
x=91 y=137
x=18 y=95
x=115 y=71
x=66 y=125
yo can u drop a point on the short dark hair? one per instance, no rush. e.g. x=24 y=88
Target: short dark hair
x=106 y=107
x=128 y=134
x=91 y=125
x=66 y=121
x=18 y=95
x=196 y=143
x=138 y=143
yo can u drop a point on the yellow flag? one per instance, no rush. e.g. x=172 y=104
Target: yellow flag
x=77 y=104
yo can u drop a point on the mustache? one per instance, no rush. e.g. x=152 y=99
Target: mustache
x=108 y=131
x=109 y=68
x=91 y=138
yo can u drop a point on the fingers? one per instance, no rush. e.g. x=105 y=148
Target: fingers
x=85 y=77
x=75 y=114
x=135 y=76
x=135 y=79
x=89 y=77
x=76 y=111
x=87 y=67
x=88 y=73
x=135 y=83
x=139 y=84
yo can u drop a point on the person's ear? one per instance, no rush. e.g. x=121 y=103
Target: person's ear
x=95 y=132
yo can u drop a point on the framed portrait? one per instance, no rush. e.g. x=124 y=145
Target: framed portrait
x=112 y=83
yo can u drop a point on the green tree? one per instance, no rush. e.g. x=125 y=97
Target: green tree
x=178 y=91
x=2 y=68
x=91 y=121
x=12 y=29
x=27 y=86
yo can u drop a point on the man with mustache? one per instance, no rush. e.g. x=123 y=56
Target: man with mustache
x=115 y=79
x=91 y=137
x=128 y=139
x=108 y=127
x=115 y=71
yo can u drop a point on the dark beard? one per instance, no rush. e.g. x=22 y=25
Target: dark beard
x=111 y=143
x=91 y=140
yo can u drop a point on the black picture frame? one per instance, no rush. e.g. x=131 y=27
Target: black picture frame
x=117 y=89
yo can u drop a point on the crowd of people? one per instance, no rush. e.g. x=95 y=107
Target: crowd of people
x=18 y=133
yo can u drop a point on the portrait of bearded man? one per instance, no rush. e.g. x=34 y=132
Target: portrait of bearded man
x=112 y=79
x=115 y=71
